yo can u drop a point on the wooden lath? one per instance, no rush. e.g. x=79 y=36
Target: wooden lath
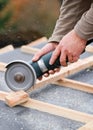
x=29 y=50
x=6 y=49
x=38 y=41
x=85 y=87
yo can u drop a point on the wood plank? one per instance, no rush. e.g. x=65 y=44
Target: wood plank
x=29 y=50
x=64 y=72
x=6 y=49
x=88 y=126
x=38 y=41
x=16 y=98
x=89 y=48
x=59 y=111
x=75 y=85
x=53 y=109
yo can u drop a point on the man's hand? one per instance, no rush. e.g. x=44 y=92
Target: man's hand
x=46 y=49
x=70 y=47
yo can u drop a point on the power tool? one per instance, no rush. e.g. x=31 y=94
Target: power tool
x=21 y=75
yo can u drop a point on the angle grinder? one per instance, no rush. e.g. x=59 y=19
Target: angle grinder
x=21 y=75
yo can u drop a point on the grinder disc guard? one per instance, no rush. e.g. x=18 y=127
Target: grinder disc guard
x=20 y=76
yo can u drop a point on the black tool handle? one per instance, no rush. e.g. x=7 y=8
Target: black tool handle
x=41 y=69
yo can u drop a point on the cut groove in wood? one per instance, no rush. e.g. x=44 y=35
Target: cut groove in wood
x=88 y=126
x=89 y=48
x=75 y=85
x=29 y=50
x=6 y=49
x=38 y=41
x=65 y=71
x=55 y=110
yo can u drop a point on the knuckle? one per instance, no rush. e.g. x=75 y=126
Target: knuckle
x=69 y=52
x=76 y=59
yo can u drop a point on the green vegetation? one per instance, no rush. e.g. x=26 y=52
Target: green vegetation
x=4 y=17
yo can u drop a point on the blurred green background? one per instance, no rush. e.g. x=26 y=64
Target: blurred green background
x=23 y=21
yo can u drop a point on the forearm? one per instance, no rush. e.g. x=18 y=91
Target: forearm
x=84 y=28
x=70 y=12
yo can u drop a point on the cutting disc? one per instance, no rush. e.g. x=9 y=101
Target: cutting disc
x=20 y=76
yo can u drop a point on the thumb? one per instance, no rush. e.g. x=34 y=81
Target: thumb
x=37 y=56
x=47 y=48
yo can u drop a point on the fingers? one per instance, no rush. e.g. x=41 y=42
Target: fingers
x=57 y=69
x=38 y=55
x=75 y=58
x=55 y=55
x=63 y=58
x=50 y=72
x=70 y=57
x=40 y=78
x=66 y=57
x=47 y=48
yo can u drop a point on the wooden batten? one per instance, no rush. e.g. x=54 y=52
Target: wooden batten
x=75 y=85
x=38 y=41
x=6 y=49
x=59 y=111
x=29 y=50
